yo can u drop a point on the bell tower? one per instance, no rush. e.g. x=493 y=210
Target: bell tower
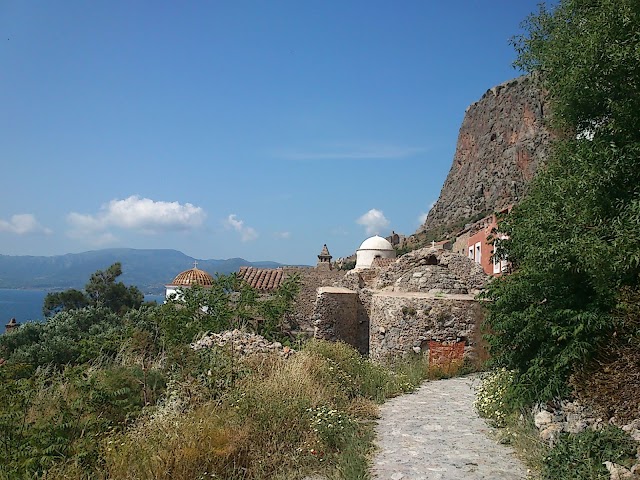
x=324 y=259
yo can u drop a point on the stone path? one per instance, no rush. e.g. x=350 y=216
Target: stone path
x=435 y=434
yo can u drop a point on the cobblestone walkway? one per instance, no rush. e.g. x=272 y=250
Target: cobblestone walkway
x=435 y=434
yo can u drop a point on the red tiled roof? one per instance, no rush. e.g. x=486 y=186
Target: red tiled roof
x=264 y=279
x=194 y=276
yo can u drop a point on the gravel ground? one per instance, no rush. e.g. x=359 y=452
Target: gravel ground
x=436 y=434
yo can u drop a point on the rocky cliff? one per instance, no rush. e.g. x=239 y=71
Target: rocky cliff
x=502 y=142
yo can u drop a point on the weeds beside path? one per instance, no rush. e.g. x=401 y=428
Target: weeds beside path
x=435 y=433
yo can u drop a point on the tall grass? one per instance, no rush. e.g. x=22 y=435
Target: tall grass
x=281 y=419
x=288 y=418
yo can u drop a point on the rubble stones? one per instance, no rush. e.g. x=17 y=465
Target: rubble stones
x=242 y=343
x=432 y=271
x=573 y=417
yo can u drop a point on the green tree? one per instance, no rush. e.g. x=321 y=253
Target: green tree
x=228 y=303
x=102 y=290
x=71 y=299
x=574 y=241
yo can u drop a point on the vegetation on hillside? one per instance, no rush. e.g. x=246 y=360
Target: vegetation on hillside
x=574 y=240
x=567 y=321
x=92 y=393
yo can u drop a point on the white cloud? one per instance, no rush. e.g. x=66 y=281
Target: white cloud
x=352 y=152
x=139 y=214
x=23 y=224
x=246 y=233
x=283 y=235
x=374 y=221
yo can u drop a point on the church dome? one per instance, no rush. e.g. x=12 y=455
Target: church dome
x=376 y=243
x=193 y=276
x=372 y=249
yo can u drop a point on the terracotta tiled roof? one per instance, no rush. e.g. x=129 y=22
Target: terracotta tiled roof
x=382 y=262
x=194 y=276
x=263 y=279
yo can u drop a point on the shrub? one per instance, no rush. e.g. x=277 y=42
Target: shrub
x=203 y=443
x=332 y=426
x=581 y=456
x=491 y=400
x=357 y=376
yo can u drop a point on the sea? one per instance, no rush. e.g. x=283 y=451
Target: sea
x=26 y=305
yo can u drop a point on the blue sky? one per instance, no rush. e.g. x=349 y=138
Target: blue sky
x=254 y=129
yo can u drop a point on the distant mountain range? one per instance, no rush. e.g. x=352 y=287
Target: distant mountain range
x=149 y=270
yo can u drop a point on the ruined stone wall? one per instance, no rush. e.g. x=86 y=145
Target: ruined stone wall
x=402 y=322
x=311 y=279
x=337 y=317
x=432 y=271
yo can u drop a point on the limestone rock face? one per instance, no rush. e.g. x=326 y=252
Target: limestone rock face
x=501 y=144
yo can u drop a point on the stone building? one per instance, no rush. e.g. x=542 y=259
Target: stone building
x=189 y=278
x=396 y=308
x=324 y=259
x=372 y=248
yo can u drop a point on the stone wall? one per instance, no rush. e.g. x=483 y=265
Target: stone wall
x=432 y=271
x=404 y=322
x=311 y=279
x=338 y=316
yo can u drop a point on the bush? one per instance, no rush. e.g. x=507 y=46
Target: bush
x=200 y=444
x=332 y=426
x=491 y=400
x=581 y=456
x=357 y=376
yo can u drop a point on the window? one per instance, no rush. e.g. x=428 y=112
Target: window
x=479 y=252
x=496 y=262
x=499 y=266
x=471 y=252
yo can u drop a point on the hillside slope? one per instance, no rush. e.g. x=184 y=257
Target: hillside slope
x=148 y=269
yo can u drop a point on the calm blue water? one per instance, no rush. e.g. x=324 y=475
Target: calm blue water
x=26 y=305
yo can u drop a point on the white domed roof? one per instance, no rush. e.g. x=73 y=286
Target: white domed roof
x=376 y=243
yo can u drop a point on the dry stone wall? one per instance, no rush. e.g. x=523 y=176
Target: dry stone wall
x=432 y=271
x=427 y=294
x=403 y=323
x=310 y=280
x=338 y=316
